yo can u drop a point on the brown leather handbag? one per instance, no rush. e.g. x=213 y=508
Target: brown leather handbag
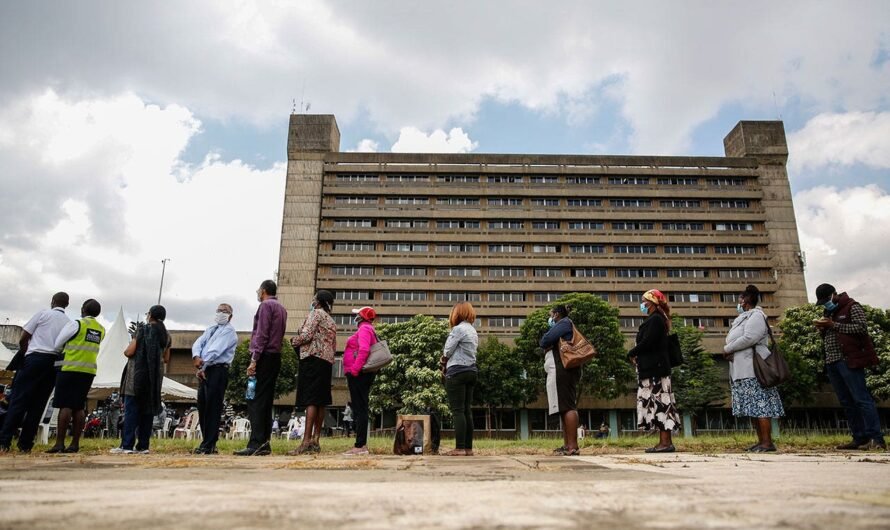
x=577 y=352
x=772 y=371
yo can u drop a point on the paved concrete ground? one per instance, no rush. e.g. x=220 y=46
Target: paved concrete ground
x=617 y=491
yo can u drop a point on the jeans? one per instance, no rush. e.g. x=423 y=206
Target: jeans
x=34 y=382
x=136 y=425
x=359 y=394
x=459 y=389
x=858 y=404
x=259 y=409
x=211 y=393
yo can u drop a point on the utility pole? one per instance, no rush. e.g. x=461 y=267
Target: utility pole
x=163 y=270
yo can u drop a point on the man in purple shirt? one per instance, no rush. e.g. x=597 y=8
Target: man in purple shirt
x=265 y=363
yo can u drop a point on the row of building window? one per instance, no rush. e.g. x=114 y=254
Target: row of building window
x=515 y=248
x=542 y=202
x=541 y=179
x=439 y=296
x=515 y=322
x=519 y=272
x=545 y=225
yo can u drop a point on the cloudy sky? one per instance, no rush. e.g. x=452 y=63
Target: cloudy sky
x=136 y=131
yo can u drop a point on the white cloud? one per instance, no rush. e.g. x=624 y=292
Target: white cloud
x=844 y=233
x=842 y=139
x=413 y=140
x=95 y=195
x=365 y=146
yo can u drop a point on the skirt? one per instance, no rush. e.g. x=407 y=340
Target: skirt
x=656 y=406
x=314 y=382
x=71 y=390
x=566 y=386
x=751 y=400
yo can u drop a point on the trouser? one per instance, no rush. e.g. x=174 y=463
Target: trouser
x=459 y=389
x=136 y=426
x=211 y=393
x=858 y=404
x=259 y=409
x=34 y=382
x=359 y=393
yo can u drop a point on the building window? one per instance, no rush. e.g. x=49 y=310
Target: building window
x=353 y=246
x=544 y=180
x=587 y=249
x=404 y=296
x=458 y=201
x=582 y=180
x=635 y=181
x=733 y=227
x=353 y=223
x=692 y=298
x=457 y=224
x=545 y=225
x=547 y=297
x=545 y=202
x=353 y=295
x=636 y=273
x=458 y=178
x=407 y=200
x=457 y=247
x=700 y=322
x=732 y=298
x=404 y=271
x=505 y=322
x=738 y=273
x=731 y=203
x=633 y=249
x=407 y=178
x=506 y=297
x=681 y=203
x=393 y=319
x=633 y=225
x=504 y=201
x=735 y=249
x=584 y=202
x=684 y=249
x=355 y=199
x=589 y=272
x=506 y=249
x=548 y=273
x=343 y=320
x=687 y=273
x=721 y=182
x=586 y=225
x=348 y=270
x=357 y=177
x=631 y=322
x=628 y=297
x=545 y=249
x=677 y=181
x=504 y=179
x=505 y=225
x=458 y=297
x=506 y=272
x=407 y=247
x=458 y=271
x=683 y=227
x=407 y=223
x=631 y=203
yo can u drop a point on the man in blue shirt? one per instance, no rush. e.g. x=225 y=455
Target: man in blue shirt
x=212 y=354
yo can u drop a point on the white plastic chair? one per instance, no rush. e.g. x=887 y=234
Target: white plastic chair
x=285 y=433
x=162 y=432
x=53 y=425
x=189 y=427
x=240 y=429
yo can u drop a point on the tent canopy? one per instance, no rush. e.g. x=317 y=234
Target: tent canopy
x=5 y=356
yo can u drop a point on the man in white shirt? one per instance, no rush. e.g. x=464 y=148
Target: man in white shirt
x=212 y=354
x=35 y=380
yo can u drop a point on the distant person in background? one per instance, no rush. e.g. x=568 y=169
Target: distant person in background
x=212 y=355
x=35 y=380
x=79 y=343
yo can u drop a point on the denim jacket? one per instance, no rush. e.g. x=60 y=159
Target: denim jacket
x=461 y=345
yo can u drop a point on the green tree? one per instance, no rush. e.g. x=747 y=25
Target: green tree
x=878 y=379
x=697 y=382
x=502 y=382
x=287 y=377
x=412 y=382
x=609 y=374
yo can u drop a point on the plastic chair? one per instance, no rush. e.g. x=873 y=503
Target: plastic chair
x=290 y=428
x=188 y=427
x=162 y=432
x=240 y=429
x=53 y=425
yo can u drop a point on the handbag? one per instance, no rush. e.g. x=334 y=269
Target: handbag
x=577 y=352
x=675 y=353
x=772 y=371
x=378 y=357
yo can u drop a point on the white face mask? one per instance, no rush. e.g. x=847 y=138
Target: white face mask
x=221 y=318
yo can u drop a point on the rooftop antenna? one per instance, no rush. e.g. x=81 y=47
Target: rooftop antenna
x=293 y=109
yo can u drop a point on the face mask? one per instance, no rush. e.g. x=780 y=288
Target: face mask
x=643 y=308
x=221 y=318
x=312 y=307
x=830 y=306
x=357 y=319
x=739 y=308
x=551 y=322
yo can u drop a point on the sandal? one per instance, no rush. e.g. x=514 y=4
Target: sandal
x=301 y=450
x=656 y=449
x=565 y=451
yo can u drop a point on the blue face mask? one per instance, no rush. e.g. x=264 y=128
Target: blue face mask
x=830 y=306
x=312 y=307
x=739 y=308
x=551 y=322
x=643 y=308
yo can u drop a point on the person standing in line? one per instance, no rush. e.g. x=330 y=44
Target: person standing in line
x=35 y=380
x=146 y=354
x=461 y=373
x=358 y=347
x=212 y=355
x=79 y=343
x=265 y=363
x=348 y=418
x=317 y=343
x=656 y=405
x=567 y=379
x=749 y=336
x=848 y=351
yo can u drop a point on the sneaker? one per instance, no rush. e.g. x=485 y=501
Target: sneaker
x=873 y=445
x=357 y=451
x=142 y=452
x=849 y=446
x=121 y=451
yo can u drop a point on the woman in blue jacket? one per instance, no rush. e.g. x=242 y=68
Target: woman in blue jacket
x=567 y=380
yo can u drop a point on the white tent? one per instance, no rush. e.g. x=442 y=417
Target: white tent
x=5 y=356
x=111 y=363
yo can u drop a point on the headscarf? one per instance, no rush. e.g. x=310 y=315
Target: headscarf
x=659 y=300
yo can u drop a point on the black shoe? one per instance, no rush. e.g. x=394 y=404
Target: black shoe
x=849 y=446
x=656 y=449
x=753 y=447
x=262 y=450
x=55 y=449
x=203 y=451
x=198 y=451
x=764 y=449
x=873 y=445
x=71 y=449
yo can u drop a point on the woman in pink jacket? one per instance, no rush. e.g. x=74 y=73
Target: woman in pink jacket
x=358 y=347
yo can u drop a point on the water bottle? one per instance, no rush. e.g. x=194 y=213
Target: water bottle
x=251 y=388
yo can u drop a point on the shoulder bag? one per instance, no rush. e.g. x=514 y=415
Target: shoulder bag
x=772 y=371
x=379 y=356
x=675 y=353
x=577 y=352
